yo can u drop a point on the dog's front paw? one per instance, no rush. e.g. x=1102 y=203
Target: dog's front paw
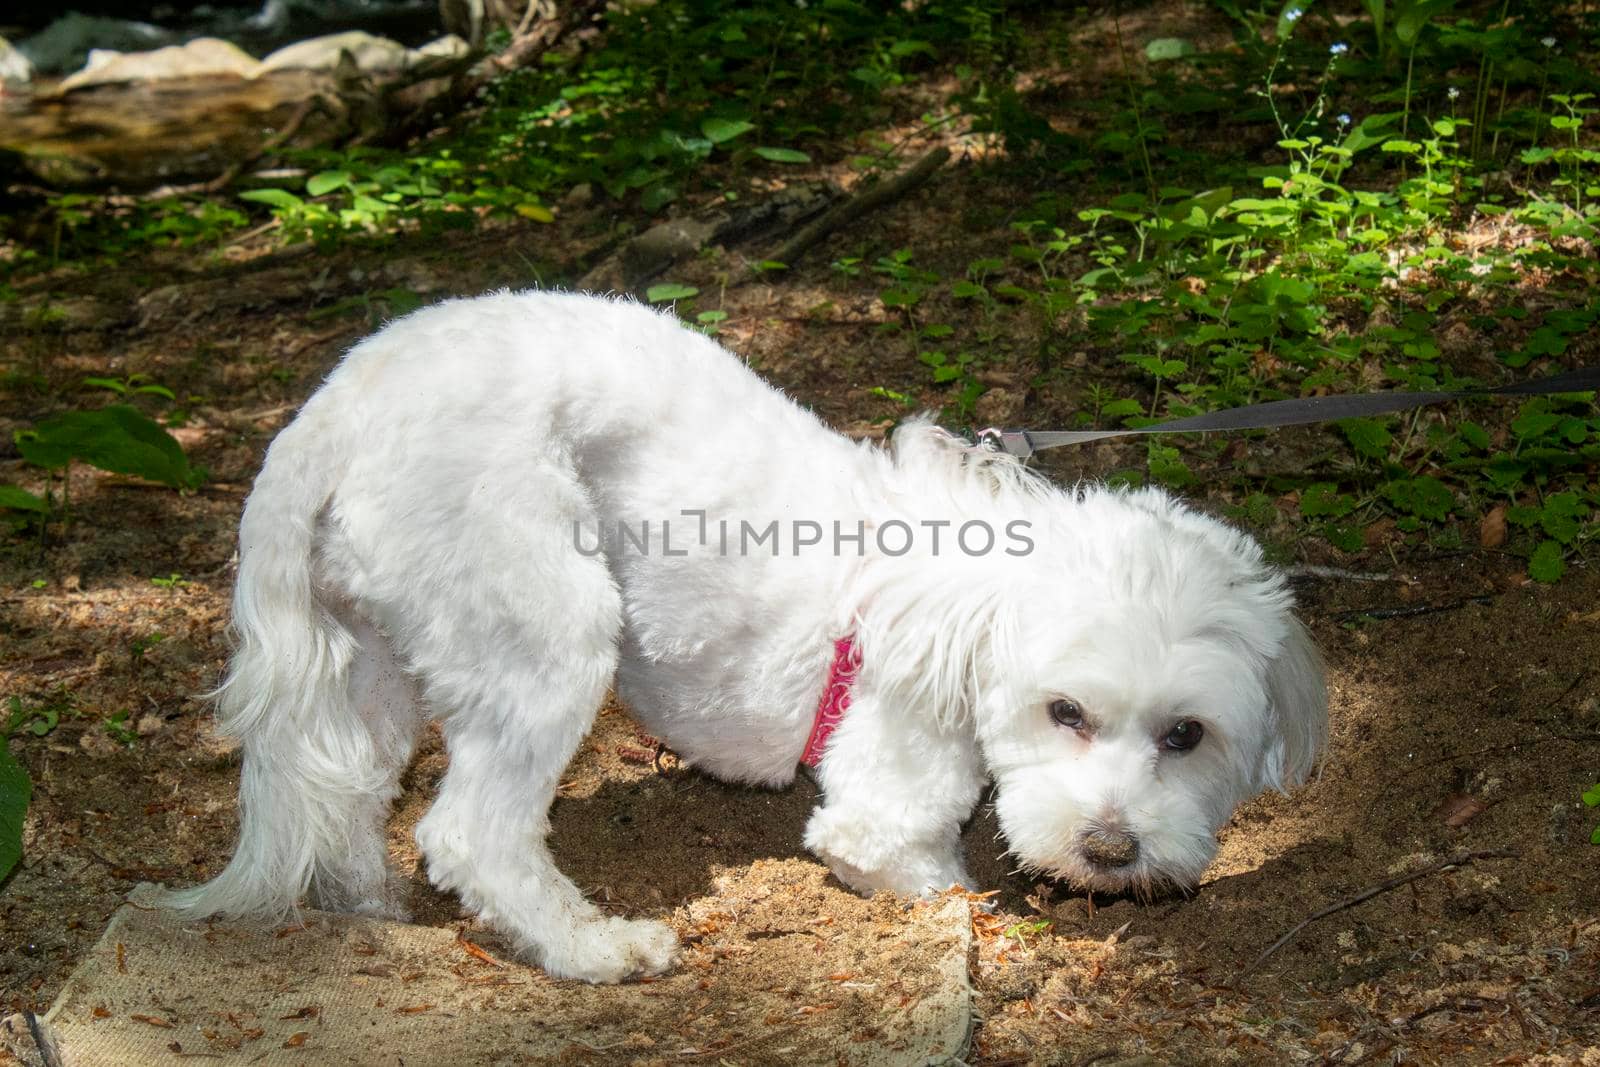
x=914 y=879
x=611 y=950
x=869 y=860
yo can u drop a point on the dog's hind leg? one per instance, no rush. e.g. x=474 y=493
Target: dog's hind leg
x=517 y=654
x=382 y=695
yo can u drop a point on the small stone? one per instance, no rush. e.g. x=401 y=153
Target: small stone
x=98 y=745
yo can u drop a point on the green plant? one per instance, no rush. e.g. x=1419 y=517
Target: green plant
x=16 y=788
x=1591 y=797
x=117 y=728
x=118 y=439
x=132 y=385
x=141 y=645
x=1021 y=931
x=377 y=305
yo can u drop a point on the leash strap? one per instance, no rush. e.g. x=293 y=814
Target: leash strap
x=1295 y=412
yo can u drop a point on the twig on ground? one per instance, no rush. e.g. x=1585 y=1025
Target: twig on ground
x=1393 y=1029
x=695 y=1053
x=1410 y=611
x=1526 y=742
x=854 y=207
x=296 y=120
x=1459 y=860
x=1315 y=570
x=251 y=234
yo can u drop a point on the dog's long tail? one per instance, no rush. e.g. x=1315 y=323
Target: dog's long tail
x=286 y=696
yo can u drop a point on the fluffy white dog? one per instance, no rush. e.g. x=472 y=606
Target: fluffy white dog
x=495 y=509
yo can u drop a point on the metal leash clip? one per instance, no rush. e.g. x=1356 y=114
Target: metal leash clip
x=1012 y=442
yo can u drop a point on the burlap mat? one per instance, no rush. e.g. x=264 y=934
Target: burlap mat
x=342 y=990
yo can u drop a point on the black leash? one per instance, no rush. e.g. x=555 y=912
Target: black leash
x=1296 y=412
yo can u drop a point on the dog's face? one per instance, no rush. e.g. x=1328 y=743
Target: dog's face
x=1155 y=683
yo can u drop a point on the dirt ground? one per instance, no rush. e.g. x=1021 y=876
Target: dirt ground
x=1471 y=729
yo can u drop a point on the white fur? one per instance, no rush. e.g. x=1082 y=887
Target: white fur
x=408 y=552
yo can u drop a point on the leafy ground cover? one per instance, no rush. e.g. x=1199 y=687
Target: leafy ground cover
x=1172 y=209
x=1350 y=199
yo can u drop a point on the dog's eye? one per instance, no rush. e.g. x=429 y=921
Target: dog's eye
x=1066 y=713
x=1184 y=736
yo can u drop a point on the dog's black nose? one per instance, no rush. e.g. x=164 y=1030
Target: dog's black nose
x=1110 y=848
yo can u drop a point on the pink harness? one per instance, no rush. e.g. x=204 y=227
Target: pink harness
x=835 y=699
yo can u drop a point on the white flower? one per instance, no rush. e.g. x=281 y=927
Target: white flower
x=1338 y=49
x=1453 y=93
x=1344 y=119
x=1548 y=42
x=1292 y=15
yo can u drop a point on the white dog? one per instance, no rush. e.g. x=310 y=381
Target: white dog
x=496 y=509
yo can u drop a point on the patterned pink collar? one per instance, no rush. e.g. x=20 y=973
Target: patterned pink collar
x=835 y=699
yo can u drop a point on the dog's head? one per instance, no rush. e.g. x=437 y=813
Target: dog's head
x=1130 y=681
x=1154 y=683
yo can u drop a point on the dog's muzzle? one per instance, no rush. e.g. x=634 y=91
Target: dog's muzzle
x=1110 y=848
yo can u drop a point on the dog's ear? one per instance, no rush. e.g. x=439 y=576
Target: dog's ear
x=1298 y=693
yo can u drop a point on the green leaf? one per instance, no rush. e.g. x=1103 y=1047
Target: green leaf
x=1167 y=466
x=658 y=196
x=1548 y=562
x=782 y=155
x=118 y=439
x=1344 y=538
x=658 y=294
x=890 y=394
x=1424 y=496
x=1376 y=9
x=1560 y=517
x=278 y=198
x=1323 y=500
x=326 y=182
x=15 y=790
x=1410 y=16
x=1591 y=796
x=1367 y=436
x=1166 y=49
x=718 y=130
x=18 y=499
x=1534 y=424
x=1374 y=129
